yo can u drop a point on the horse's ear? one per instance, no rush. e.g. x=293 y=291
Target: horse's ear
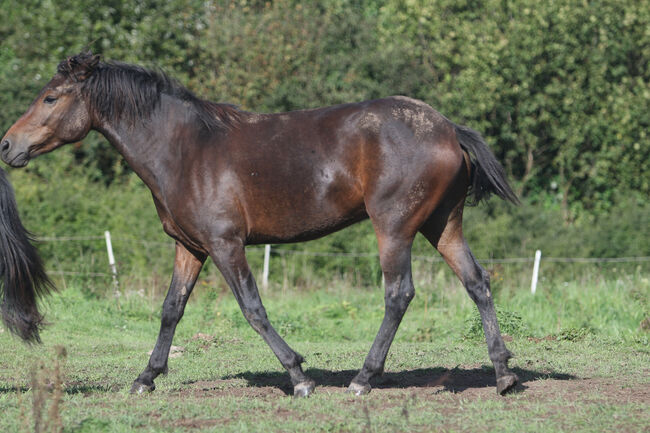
x=86 y=67
x=81 y=66
x=95 y=60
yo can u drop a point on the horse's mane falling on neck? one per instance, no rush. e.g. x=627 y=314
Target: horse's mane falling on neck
x=122 y=91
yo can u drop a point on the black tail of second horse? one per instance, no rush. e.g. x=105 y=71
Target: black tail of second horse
x=22 y=275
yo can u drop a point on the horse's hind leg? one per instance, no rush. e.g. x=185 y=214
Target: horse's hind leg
x=445 y=233
x=187 y=266
x=395 y=258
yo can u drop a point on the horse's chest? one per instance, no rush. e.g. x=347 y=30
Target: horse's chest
x=178 y=226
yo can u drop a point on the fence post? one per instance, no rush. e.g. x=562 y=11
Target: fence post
x=533 y=283
x=111 y=261
x=265 y=272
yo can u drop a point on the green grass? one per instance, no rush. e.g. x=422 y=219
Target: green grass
x=581 y=353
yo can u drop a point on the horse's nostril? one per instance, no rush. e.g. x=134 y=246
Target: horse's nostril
x=5 y=145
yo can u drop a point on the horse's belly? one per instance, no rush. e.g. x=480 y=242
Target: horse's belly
x=302 y=219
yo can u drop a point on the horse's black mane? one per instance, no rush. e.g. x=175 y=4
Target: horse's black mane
x=120 y=90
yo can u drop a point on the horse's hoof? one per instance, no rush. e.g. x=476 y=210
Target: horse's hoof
x=141 y=388
x=506 y=383
x=358 y=389
x=304 y=389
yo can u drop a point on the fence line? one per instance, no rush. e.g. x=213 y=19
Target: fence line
x=67 y=238
x=100 y=238
x=280 y=251
x=86 y=274
x=596 y=259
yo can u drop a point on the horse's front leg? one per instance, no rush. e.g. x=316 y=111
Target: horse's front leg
x=187 y=266
x=228 y=254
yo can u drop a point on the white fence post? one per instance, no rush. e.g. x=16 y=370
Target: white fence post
x=265 y=272
x=111 y=260
x=533 y=283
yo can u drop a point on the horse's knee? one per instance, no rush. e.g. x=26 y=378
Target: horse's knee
x=170 y=316
x=399 y=296
x=256 y=317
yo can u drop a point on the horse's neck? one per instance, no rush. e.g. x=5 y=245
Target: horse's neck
x=146 y=146
x=154 y=147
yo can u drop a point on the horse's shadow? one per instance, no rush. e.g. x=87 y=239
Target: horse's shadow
x=451 y=380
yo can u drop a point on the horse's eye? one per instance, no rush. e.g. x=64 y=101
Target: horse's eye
x=49 y=100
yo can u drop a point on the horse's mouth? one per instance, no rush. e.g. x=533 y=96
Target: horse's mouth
x=38 y=149
x=20 y=160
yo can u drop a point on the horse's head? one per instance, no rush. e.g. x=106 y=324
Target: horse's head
x=59 y=114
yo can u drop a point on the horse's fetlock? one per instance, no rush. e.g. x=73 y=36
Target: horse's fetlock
x=502 y=357
x=158 y=369
x=373 y=368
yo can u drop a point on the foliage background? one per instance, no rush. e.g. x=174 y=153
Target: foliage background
x=559 y=89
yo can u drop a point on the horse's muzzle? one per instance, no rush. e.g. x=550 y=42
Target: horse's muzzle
x=14 y=159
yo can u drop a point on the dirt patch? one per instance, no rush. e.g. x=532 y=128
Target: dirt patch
x=472 y=383
x=199 y=423
x=447 y=390
x=228 y=387
x=195 y=423
x=620 y=390
x=548 y=390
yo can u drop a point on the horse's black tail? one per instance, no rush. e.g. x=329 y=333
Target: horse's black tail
x=22 y=276
x=488 y=176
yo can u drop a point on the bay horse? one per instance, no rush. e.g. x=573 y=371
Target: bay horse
x=222 y=178
x=22 y=275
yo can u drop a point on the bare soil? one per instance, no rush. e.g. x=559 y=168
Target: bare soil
x=471 y=383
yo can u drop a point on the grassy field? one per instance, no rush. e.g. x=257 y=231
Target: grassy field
x=581 y=351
